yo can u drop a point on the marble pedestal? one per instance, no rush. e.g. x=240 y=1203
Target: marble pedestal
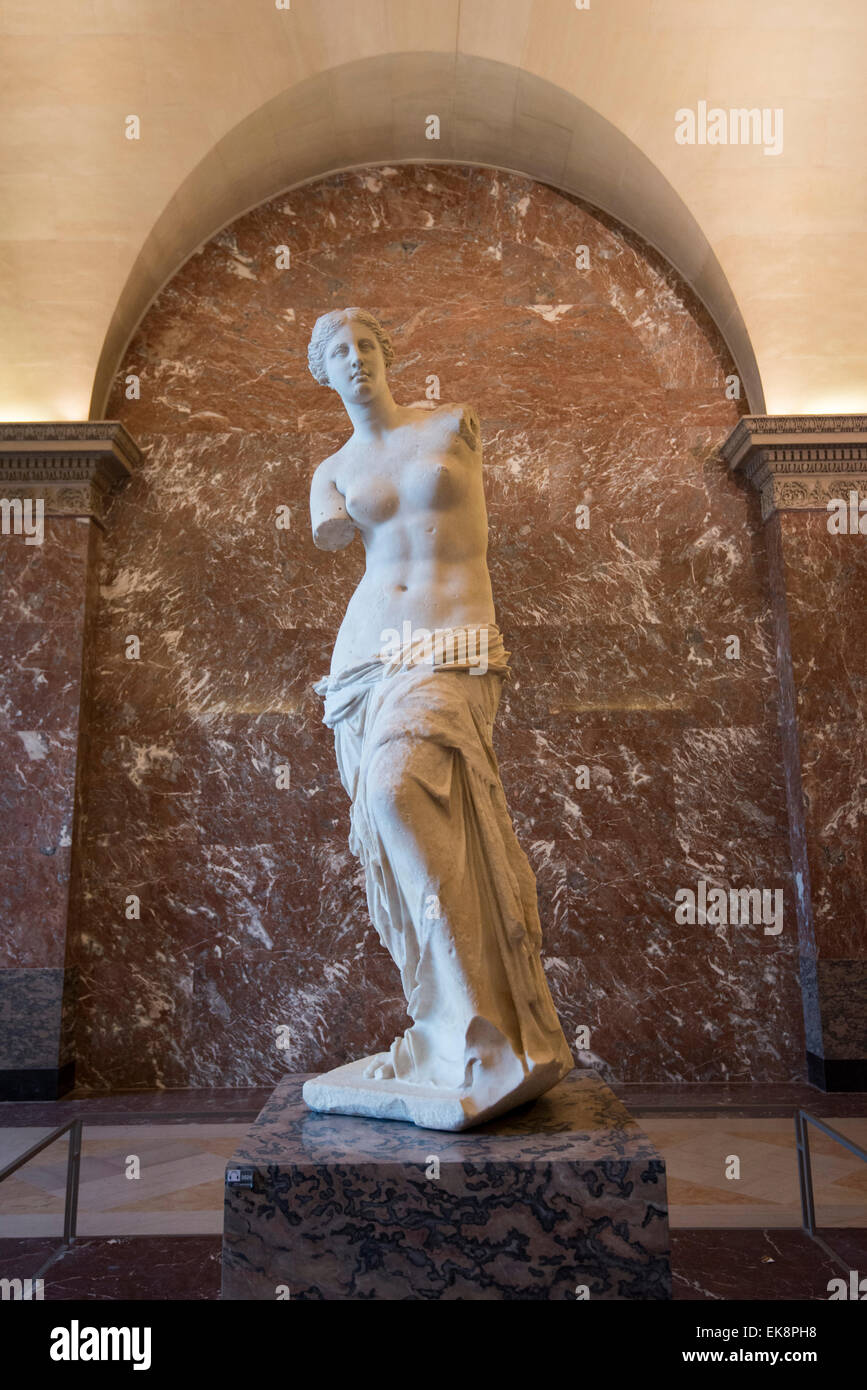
x=563 y=1195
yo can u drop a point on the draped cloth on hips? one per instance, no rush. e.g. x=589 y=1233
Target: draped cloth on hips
x=449 y=889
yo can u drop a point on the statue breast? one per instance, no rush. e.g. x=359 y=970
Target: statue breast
x=426 y=468
x=440 y=471
x=370 y=501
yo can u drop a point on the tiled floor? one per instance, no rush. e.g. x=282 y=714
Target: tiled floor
x=760 y=1265
x=135 y=1267
x=179 y=1190
x=699 y=1150
x=707 y=1266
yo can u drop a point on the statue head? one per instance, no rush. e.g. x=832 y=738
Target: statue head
x=351 y=352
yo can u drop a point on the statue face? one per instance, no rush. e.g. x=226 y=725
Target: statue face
x=353 y=357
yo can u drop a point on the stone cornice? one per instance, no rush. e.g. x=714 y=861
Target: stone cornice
x=74 y=467
x=799 y=462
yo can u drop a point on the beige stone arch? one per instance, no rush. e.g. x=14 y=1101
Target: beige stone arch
x=374 y=111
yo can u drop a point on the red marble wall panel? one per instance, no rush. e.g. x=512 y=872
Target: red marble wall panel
x=41 y=641
x=826 y=591
x=43 y=637
x=603 y=386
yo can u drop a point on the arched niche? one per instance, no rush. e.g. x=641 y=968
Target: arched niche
x=374 y=111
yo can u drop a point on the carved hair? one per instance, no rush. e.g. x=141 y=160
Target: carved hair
x=324 y=329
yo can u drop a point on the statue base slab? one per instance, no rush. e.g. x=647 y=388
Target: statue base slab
x=561 y=1199
x=347 y=1091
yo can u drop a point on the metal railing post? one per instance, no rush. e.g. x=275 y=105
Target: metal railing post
x=805 y=1174
x=73 y=1167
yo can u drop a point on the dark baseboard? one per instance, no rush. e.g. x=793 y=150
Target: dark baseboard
x=49 y=1083
x=837 y=1075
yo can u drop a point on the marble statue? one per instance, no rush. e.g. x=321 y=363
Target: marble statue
x=415 y=682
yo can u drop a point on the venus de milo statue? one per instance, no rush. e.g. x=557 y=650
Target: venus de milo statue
x=415 y=682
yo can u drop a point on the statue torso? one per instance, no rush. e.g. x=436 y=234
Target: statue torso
x=417 y=498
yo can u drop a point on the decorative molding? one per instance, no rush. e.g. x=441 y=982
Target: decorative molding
x=799 y=462
x=73 y=467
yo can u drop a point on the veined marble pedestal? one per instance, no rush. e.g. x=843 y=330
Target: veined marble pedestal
x=563 y=1195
